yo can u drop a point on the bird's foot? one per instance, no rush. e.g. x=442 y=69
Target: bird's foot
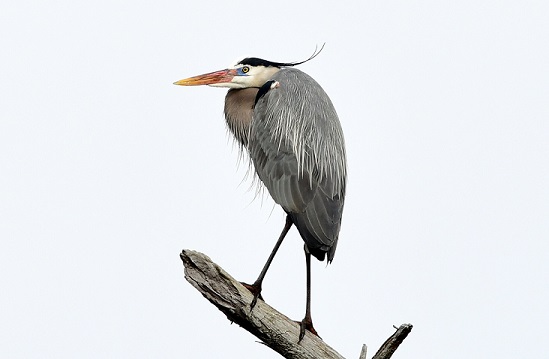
x=306 y=324
x=255 y=289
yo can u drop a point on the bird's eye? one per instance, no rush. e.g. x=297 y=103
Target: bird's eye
x=245 y=69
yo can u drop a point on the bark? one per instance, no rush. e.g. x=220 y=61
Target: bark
x=273 y=328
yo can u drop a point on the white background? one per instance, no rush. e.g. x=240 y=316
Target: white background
x=107 y=171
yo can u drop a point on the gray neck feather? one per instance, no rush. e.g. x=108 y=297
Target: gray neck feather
x=239 y=105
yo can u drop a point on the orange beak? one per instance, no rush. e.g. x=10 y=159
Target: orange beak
x=216 y=77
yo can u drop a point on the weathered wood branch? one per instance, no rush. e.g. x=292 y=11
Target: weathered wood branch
x=392 y=343
x=273 y=328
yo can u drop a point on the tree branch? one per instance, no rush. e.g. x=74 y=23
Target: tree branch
x=273 y=328
x=392 y=343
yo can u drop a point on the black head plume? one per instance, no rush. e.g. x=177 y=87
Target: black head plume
x=254 y=61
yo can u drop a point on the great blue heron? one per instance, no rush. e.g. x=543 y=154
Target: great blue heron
x=290 y=129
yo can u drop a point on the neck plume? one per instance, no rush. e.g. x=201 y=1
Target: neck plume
x=239 y=107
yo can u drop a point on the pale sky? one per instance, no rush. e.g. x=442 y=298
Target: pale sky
x=108 y=171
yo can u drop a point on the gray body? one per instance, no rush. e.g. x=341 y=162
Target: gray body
x=296 y=144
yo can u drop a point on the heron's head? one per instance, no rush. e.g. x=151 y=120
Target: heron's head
x=250 y=72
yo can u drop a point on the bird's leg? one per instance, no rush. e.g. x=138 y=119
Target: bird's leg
x=256 y=287
x=307 y=322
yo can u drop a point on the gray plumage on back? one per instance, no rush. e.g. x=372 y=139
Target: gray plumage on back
x=298 y=153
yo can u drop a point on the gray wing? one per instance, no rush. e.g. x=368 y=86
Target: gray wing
x=297 y=148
